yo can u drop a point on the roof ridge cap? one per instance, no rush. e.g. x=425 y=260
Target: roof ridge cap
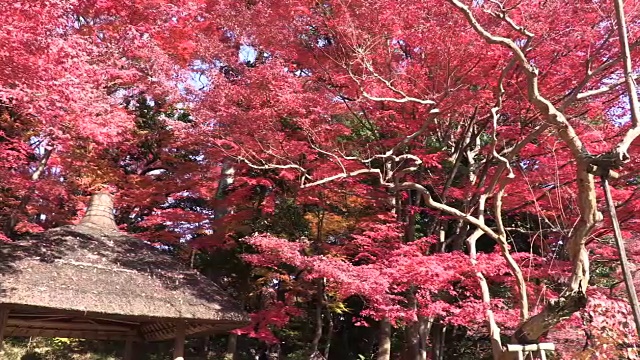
x=100 y=212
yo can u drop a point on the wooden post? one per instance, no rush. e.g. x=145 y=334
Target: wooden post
x=543 y=355
x=624 y=262
x=128 y=349
x=178 y=347
x=4 y=317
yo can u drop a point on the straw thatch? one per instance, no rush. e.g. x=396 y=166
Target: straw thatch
x=92 y=281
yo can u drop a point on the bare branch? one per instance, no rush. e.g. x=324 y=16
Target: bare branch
x=634 y=132
x=494 y=330
x=428 y=200
x=463 y=144
x=603 y=90
x=502 y=14
x=266 y=166
x=433 y=113
x=550 y=112
x=389 y=84
x=405 y=99
x=345 y=175
x=332 y=155
x=552 y=313
x=602 y=68
x=494 y=113
x=513 y=265
x=42 y=164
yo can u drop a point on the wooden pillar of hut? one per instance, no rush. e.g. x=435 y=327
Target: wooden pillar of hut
x=4 y=317
x=178 y=347
x=128 y=349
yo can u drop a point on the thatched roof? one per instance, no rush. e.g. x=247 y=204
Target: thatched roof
x=93 y=270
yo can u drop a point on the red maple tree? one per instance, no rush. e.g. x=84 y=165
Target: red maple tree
x=472 y=134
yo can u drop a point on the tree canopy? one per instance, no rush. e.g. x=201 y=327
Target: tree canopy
x=371 y=178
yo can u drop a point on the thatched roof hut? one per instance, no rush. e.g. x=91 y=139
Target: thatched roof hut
x=91 y=281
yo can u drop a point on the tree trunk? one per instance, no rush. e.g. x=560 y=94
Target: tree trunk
x=384 y=335
x=574 y=297
x=443 y=342
x=412 y=332
x=329 y=317
x=227 y=177
x=410 y=229
x=327 y=347
x=13 y=218
x=438 y=332
x=425 y=324
x=317 y=336
x=384 y=341
x=274 y=352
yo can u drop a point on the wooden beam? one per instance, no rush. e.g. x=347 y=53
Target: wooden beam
x=118 y=321
x=66 y=325
x=28 y=317
x=43 y=315
x=76 y=334
x=178 y=347
x=4 y=316
x=128 y=349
